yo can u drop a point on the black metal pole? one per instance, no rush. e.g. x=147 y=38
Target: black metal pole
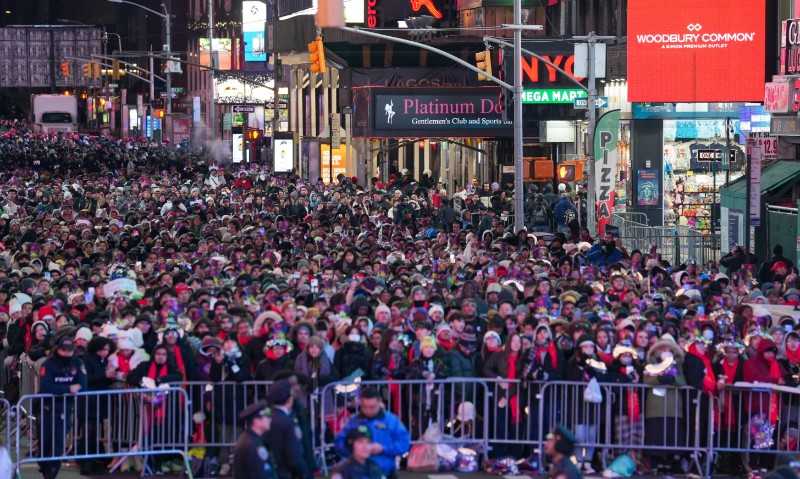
x=728 y=149
x=748 y=178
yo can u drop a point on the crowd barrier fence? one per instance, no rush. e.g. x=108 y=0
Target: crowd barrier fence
x=677 y=245
x=745 y=424
x=5 y=424
x=456 y=405
x=106 y=426
x=757 y=421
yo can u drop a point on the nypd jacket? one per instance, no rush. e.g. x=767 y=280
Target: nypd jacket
x=387 y=430
x=58 y=374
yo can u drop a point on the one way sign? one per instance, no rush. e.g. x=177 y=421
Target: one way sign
x=583 y=103
x=244 y=108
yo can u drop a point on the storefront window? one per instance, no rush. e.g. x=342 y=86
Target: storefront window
x=691 y=185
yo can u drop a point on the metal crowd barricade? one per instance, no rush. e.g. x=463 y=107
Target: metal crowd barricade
x=114 y=425
x=456 y=405
x=28 y=378
x=754 y=422
x=679 y=420
x=5 y=423
x=216 y=408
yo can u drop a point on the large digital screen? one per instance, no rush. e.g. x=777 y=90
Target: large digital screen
x=284 y=156
x=696 y=50
x=254 y=17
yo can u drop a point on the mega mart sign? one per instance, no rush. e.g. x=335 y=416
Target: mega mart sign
x=542 y=96
x=696 y=50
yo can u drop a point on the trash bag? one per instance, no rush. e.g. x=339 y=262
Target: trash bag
x=592 y=393
x=424 y=457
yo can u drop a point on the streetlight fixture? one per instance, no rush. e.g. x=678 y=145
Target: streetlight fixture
x=167 y=48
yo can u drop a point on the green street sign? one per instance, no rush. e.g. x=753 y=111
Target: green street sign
x=540 y=96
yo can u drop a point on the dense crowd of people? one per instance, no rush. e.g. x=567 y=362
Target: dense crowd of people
x=161 y=263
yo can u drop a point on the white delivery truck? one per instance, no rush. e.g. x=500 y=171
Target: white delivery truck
x=54 y=113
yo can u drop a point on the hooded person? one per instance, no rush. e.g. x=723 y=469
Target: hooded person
x=700 y=376
x=729 y=370
x=126 y=358
x=428 y=366
x=582 y=367
x=665 y=425
x=764 y=367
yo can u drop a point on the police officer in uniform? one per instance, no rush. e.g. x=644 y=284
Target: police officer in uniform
x=559 y=447
x=360 y=464
x=61 y=374
x=251 y=458
x=285 y=438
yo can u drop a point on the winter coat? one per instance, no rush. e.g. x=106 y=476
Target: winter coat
x=460 y=366
x=269 y=367
x=314 y=379
x=670 y=404
x=352 y=356
x=228 y=399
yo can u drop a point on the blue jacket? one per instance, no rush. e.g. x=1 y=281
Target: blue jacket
x=597 y=256
x=561 y=207
x=387 y=430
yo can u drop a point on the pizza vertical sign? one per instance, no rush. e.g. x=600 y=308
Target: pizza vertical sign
x=606 y=153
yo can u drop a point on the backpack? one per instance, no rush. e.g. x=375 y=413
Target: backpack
x=540 y=216
x=569 y=215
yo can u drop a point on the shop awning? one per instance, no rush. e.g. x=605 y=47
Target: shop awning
x=773 y=178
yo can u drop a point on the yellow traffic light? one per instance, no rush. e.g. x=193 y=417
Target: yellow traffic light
x=64 y=69
x=87 y=70
x=317 y=56
x=484 y=63
x=115 y=74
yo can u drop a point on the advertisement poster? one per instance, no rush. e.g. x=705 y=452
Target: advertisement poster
x=254 y=18
x=223 y=50
x=181 y=130
x=237 y=141
x=694 y=50
x=284 y=156
x=648 y=188
x=339 y=162
x=606 y=153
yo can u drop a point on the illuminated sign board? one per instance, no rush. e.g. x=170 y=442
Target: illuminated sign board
x=541 y=96
x=223 y=48
x=696 y=51
x=238 y=148
x=284 y=155
x=254 y=18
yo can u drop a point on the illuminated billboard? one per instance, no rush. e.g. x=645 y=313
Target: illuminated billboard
x=223 y=48
x=254 y=18
x=696 y=50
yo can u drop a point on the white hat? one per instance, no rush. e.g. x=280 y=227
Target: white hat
x=466 y=412
x=494 y=288
x=109 y=331
x=562 y=187
x=23 y=298
x=136 y=336
x=84 y=333
x=125 y=343
x=14 y=306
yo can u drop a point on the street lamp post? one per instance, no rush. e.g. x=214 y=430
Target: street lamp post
x=168 y=50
